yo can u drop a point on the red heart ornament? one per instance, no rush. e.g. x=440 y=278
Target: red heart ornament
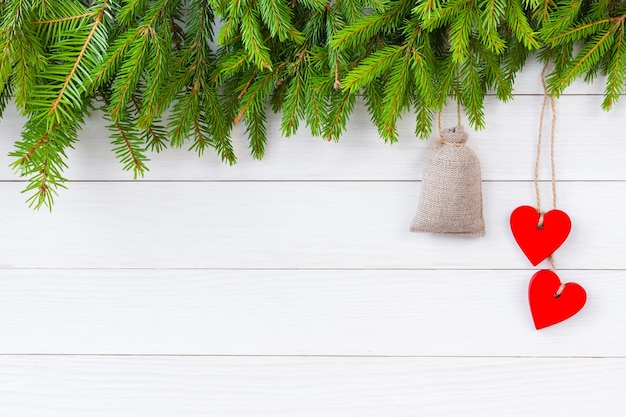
x=536 y=242
x=545 y=306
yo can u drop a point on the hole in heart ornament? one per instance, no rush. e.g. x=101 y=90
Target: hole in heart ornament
x=545 y=306
x=539 y=240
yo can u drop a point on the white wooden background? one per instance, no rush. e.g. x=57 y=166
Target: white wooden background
x=291 y=287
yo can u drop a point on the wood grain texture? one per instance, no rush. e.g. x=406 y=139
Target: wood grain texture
x=303 y=264
x=310 y=387
x=423 y=313
x=289 y=225
x=590 y=146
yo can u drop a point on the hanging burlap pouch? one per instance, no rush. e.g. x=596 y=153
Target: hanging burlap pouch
x=451 y=201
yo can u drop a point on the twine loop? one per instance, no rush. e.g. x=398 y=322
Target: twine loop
x=440 y=126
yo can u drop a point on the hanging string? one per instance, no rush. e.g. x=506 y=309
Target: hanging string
x=439 y=125
x=552 y=136
x=546 y=97
x=458 y=118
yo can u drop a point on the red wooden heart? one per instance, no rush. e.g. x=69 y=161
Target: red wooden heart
x=547 y=308
x=536 y=242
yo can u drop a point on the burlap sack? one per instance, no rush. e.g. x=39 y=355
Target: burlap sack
x=451 y=201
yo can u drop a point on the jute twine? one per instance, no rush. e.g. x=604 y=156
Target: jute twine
x=441 y=140
x=546 y=97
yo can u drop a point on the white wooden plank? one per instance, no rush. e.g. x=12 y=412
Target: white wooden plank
x=289 y=225
x=591 y=145
x=457 y=313
x=311 y=387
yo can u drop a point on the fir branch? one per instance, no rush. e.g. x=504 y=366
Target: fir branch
x=128 y=144
x=373 y=94
x=153 y=135
x=236 y=8
x=41 y=157
x=447 y=81
x=340 y=106
x=370 y=26
x=562 y=17
x=423 y=118
x=201 y=142
x=229 y=31
x=428 y=10
x=257 y=133
x=397 y=97
x=517 y=21
x=491 y=19
x=616 y=71
x=350 y=9
x=580 y=32
x=21 y=56
x=377 y=5
x=294 y=104
x=541 y=10
x=423 y=63
x=434 y=15
x=317 y=107
x=220 y=6
x=149 y=54
x=371 y=67
x=29 y=60
x=460 y=31
x=586 y=59
x=128 y=147
x=472 y=91
x=234 y=62
x=73 y=83
x=513 y=59
x=253 y=106
x=494 y=74
x=252 y=76
x=132 y=10
x=493 y=12
x=57 y=111
x=113 y=60
x=277 y=16
x=5 y=96
x=316 y=5
x=255 y=96
x=129 y=74
x=157 y=68
x=183 y=115
x=91 y=13
x=307 y=59
x=359 y=33
x=218 y=126
x=253 y=40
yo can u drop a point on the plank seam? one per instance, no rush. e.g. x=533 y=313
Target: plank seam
x=270 y=181
x=296 y=269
